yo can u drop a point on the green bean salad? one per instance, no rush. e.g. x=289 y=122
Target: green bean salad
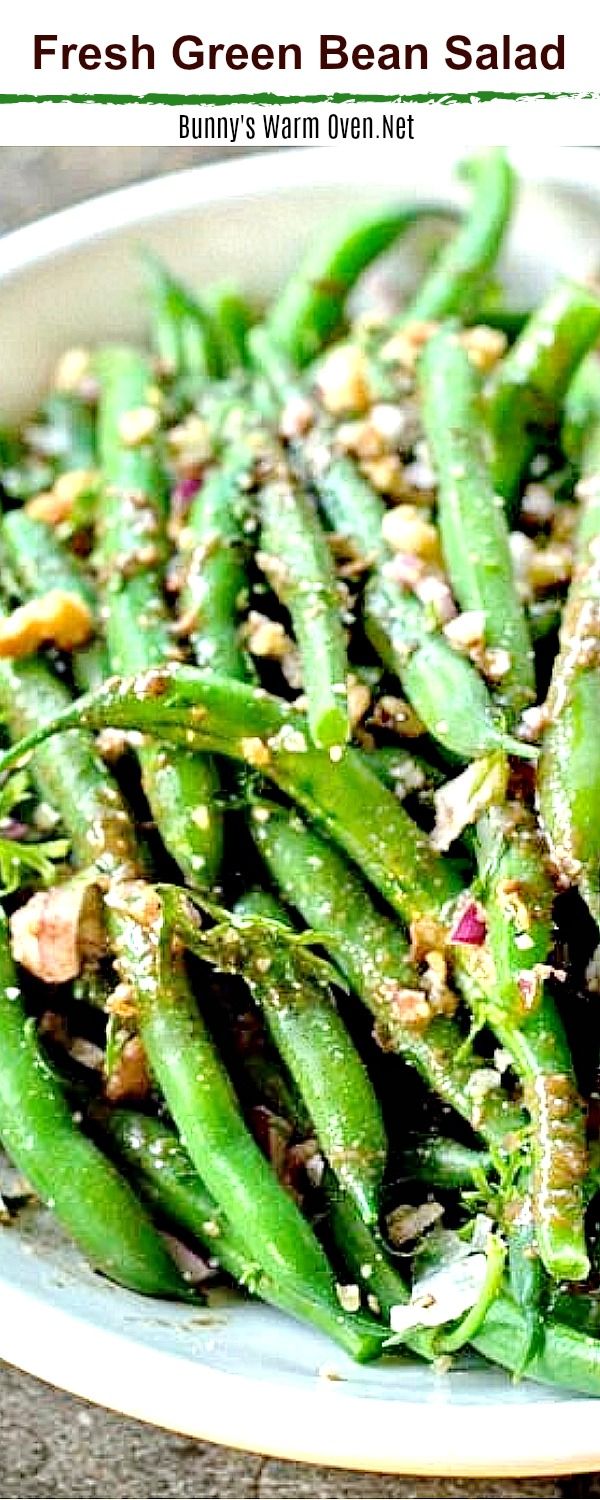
x=300 y=799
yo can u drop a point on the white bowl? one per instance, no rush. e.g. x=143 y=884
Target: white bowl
x=240 y=1373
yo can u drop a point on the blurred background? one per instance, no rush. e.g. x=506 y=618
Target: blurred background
x=36 y=180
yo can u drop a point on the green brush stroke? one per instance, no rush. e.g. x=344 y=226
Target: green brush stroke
x=483 y=96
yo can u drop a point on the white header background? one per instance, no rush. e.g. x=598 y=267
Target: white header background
x=568 y=121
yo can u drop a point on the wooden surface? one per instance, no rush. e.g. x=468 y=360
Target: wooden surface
x=52 y=1445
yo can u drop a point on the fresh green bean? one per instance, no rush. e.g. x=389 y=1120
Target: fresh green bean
x=182 y=706
x=296 y=1001
x=71 y=420
x=70 y=1174
x=70 y=775
x=232 y=320
x=40 y=563
x=203 y=1105
x=527 y=389
x=214 y=547
x=166 y=1178
x=568 y=1358
x=444 y=687
x=372 y=953
x=522 y=1012
x=130 y=551
x=310 y=309
x=444 y=1163
x=473 y=529
x=568 y=784
x=363 y=1253
x=454 y=285
x=305 y=582
x=185 y=339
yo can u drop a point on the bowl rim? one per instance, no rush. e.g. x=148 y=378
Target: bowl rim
x=268 y=172
x=45 y=1338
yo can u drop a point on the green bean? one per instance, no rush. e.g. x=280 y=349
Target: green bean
x=567 y=1358
x=310 y=309
x=454 y=285
x=41 y=563
x=372 y=954
x=232 y=319
x=130 y=550
x=166 y=1178
x=305 y=582
x=527 y=1279
x=363 y=1253
x=215 y=545
x=527 y=389
x=182 y=706
x=568 y=785
x=204 y=1107
x=522 y=1012
x=69 y=773
x=444 y=687
x=184 y=336
x=71 y=420
x=403 y=771
x=310 y=1036
x=580 y=414
x=473 y=529
x=444 y=1163
x=70 y=1174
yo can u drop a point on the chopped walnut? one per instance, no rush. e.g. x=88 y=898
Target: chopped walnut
x=426 y=936
x=386 y=474
x=190 y=442
x=130 y=1077
x=466 y=632
x=404 y=347
x=255 y=751
x=138 y=425
x=56 y=505
x=550 y=566
x=397 y=715
x=362 y=439
x=296 y=418
x=405 y=530
x=359 y=699
x=484 y=346
x=57 y=618
x=436 y=594
x=72 y=370
x=121 y=1002
x=496 y=663
x=343 y=380
x=408 y=1221
x=57 y=931
x=265 y=637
